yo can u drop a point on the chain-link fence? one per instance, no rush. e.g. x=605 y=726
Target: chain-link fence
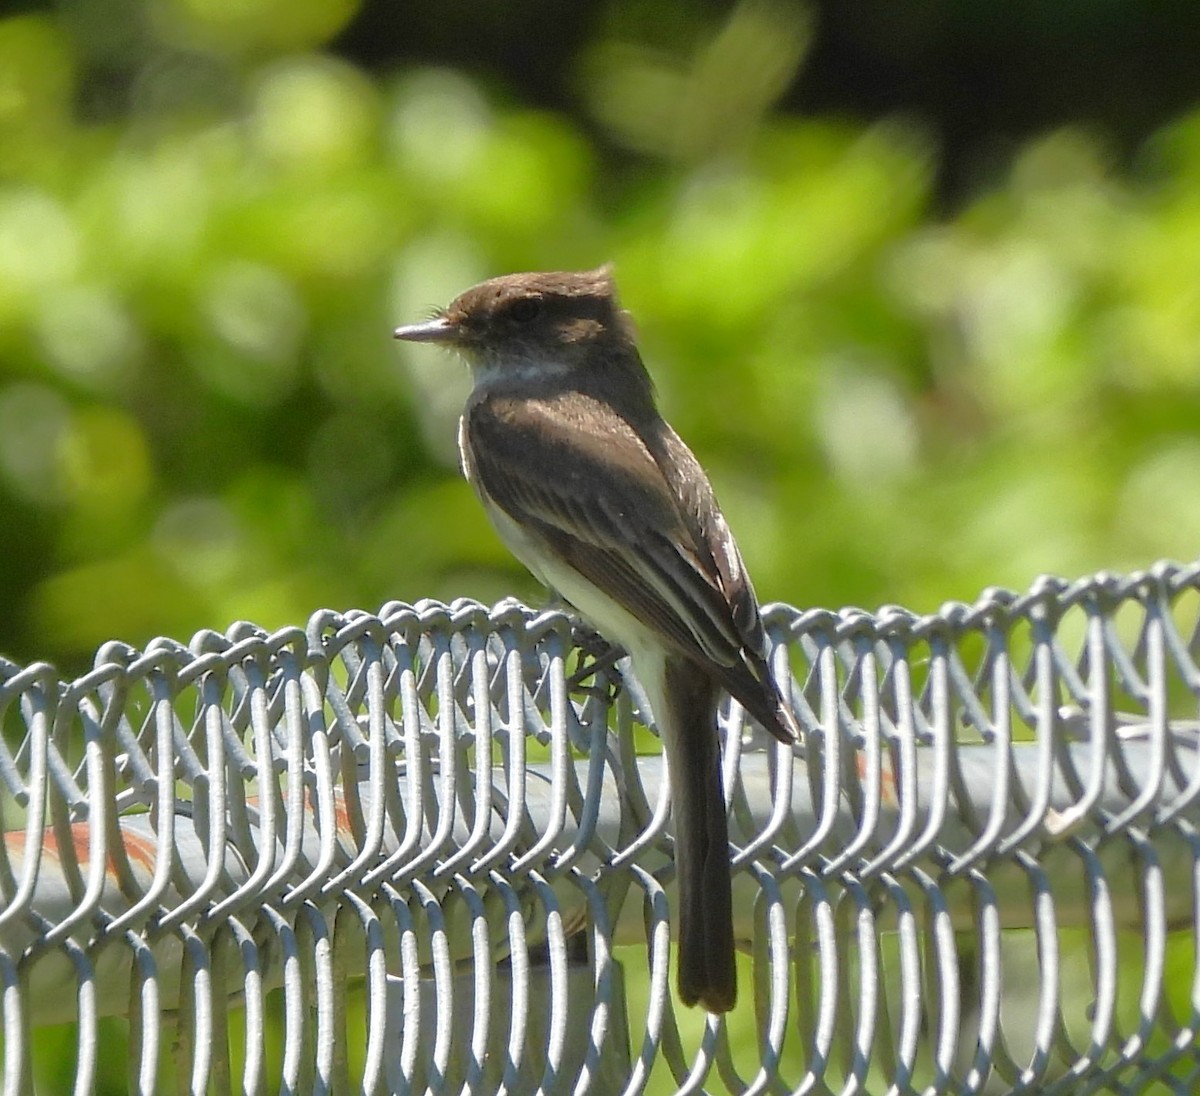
x=420 y=851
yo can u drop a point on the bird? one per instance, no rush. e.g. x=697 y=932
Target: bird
x=592 y=490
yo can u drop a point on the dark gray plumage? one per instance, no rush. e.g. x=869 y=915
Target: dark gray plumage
x=600 y=498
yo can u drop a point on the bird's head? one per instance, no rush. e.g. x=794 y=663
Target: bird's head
x=521 y=322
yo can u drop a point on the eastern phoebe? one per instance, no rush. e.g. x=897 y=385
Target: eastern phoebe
x=601 y=500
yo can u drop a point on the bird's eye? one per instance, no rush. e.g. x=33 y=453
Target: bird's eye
x=525 y=309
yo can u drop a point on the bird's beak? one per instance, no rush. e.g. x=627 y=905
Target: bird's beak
x=439 y=329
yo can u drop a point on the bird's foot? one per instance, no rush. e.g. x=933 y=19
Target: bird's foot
x=596 y=657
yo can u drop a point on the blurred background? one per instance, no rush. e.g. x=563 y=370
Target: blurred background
x=919 y=283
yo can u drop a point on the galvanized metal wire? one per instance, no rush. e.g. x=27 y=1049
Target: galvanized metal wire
x=415 y=851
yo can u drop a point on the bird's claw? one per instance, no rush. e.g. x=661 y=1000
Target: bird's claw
x=597 y=655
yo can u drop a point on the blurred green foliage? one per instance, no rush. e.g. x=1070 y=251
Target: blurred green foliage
x=203 y=417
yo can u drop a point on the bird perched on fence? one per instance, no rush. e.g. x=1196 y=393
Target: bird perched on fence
x=594 y=492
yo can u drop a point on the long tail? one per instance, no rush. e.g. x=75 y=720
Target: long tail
x=687 y=722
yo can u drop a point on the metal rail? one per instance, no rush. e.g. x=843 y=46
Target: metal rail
x=395 y=853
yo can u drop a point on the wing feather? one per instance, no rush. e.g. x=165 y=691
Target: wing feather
x=638 y=521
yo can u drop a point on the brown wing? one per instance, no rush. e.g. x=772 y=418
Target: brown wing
x=638 y=521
